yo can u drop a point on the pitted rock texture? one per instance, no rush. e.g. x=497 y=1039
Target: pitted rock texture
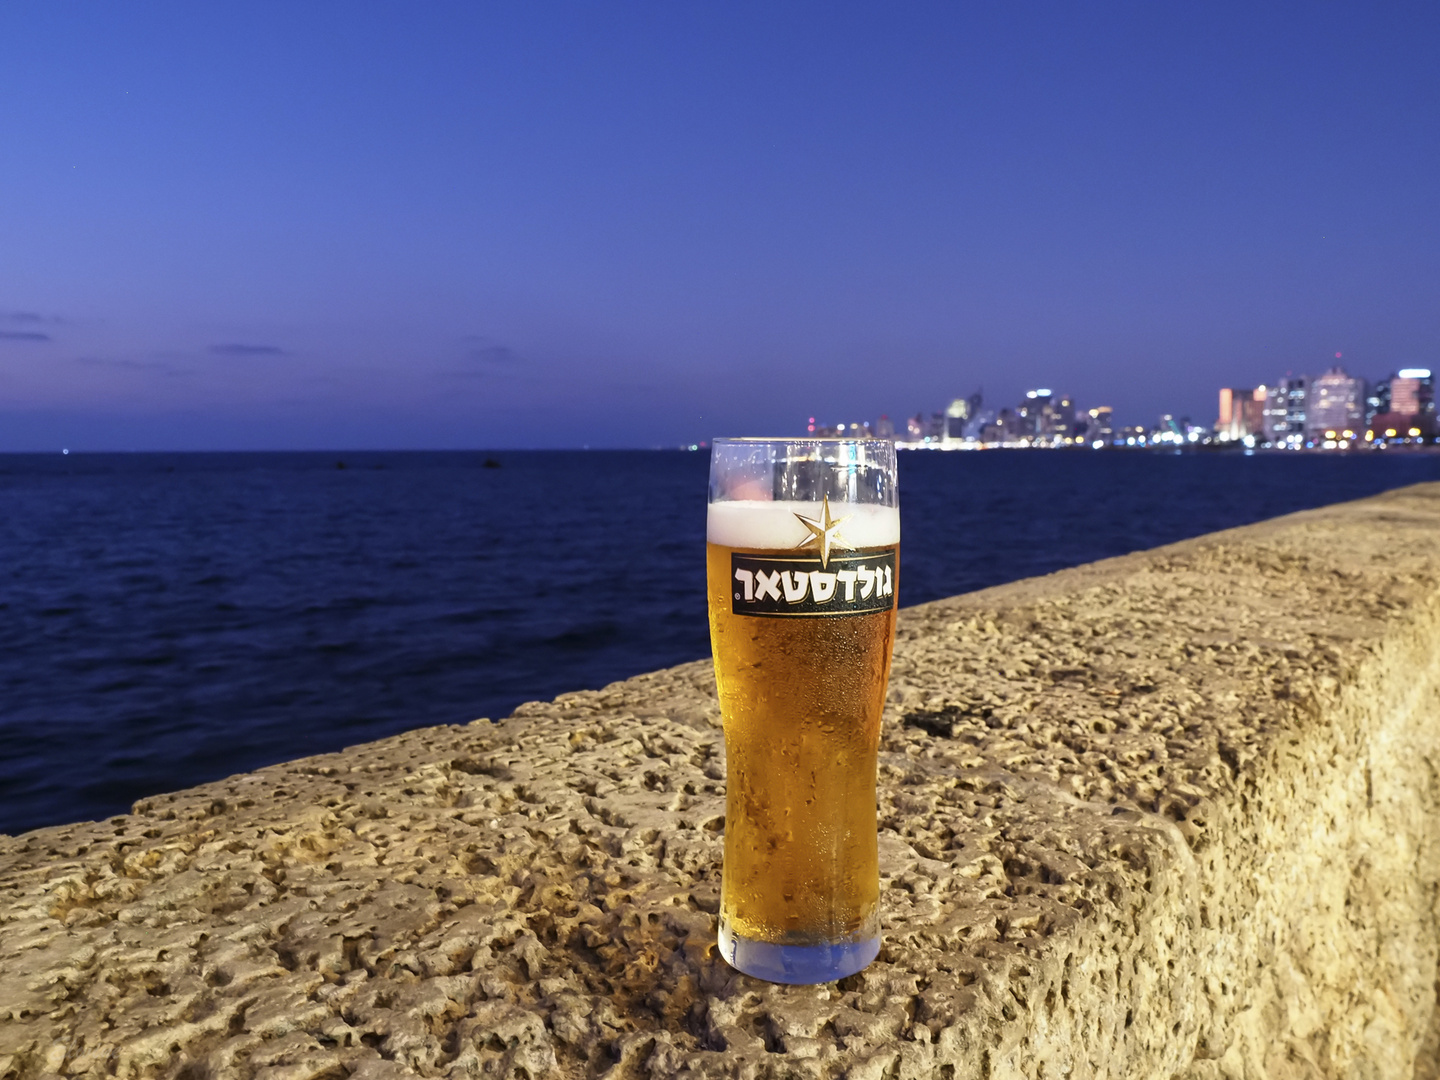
x=1171 y=815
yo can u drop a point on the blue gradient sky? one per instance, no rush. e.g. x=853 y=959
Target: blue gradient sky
x=428 y=225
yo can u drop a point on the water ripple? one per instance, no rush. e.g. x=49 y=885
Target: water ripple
x=170 y=619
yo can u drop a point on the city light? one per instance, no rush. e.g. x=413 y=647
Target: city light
x=1332 y=411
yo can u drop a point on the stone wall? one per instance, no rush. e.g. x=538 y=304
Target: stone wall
x=1173 y=814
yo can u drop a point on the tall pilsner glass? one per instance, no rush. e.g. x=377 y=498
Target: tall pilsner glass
x=803 y=548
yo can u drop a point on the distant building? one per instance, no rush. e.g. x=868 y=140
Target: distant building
x=1274 y=412
x=1292 y=395
x=1009 y=427
x=884 y=428
x=1336 y=405
x=1027 y=417
x=1377 y=401
x=1065 y=417
x=1242 y=414
x=957 y=415
x=1401 y=427
x=1412 y=392
x=858 y=429
x=1046 y=416
x=1100 y=425
x=1405 y=396
x=1169 y=430
x=961 y=416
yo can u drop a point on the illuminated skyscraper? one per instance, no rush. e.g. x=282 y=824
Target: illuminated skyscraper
x=1296 y=398
x=961 y=414
x=1007 y=427
x=1412 y=392
x=1241 y=414
x=957 y=415
x=1027 y=414
x=1272 y=412
x=1335 y=405
x=1065 y=417
x=1046 y=416
x=1101 y=425
x=1169 y=431
x=1377 y=401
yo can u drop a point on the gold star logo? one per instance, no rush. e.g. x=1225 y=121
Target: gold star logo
x=824 y=534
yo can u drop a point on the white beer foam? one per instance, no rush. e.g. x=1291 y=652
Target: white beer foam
x=773 y=526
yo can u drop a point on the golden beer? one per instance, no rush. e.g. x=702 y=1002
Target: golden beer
x=802 y=626
x=802 y=699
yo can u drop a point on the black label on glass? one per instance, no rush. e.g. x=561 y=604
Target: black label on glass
x=778 y=585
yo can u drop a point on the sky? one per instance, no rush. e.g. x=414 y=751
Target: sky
x=364 y=225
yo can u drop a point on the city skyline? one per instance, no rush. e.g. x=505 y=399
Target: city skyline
x=381 y=227
x=1330 y=409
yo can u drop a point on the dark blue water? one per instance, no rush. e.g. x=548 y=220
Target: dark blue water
x=170 y=619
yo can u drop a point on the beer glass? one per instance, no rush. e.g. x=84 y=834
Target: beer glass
x=803 y=539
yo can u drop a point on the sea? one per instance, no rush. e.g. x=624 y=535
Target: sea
x=168 y=619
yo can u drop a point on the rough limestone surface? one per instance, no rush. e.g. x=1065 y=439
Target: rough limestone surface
x=1169 y=815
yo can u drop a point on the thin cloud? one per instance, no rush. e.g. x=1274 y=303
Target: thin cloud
x=486 y=357
x=127 y=364
x=494 y=354
x=23 y=335
x=480 y=349
x=32 y=318
x=104 y=361
x=241 y=349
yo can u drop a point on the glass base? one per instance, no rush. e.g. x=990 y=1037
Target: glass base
x=796 y=964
